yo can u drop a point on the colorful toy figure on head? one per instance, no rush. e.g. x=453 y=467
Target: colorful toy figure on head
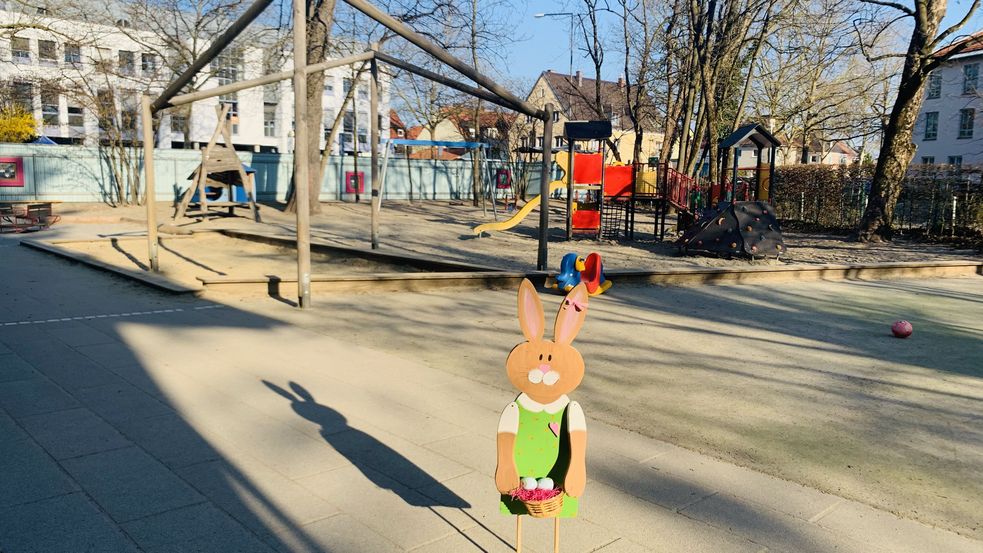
x=570 y=267
x=575 y=269
x=542 y=435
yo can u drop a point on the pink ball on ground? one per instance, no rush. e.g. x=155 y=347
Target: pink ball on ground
x=902 y=329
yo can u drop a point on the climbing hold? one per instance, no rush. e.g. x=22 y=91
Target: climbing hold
x=720 y=221
x=733 y=245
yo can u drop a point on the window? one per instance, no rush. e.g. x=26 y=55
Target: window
x=76 y=117
x=971 y=74
x=178 y=123
x=934 y=86
x=269 y=120
x=148 y=64
x=106 y=106
x=49 y=106
x=966 y=117
x=931 y=125
x=329 y=85
x=363 y=92
x=539 y=141
x=127 y=62
x=556 y=116
x=327 y=122
x=23 y=96
x=47 y=52
x=814 y=159
x=129 y=110
x=558 y=142
x=228 y=69
x=348 y=123
x=104 y=59
x=524 y=141
x=956 y=161
x=346 y=85
x=73 y=54
x=928 y=160
x=20 y=49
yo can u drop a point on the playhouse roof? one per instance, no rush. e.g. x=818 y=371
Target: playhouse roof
x=753 y=132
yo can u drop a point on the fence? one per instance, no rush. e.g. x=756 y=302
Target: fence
x=82 y=174
x=936 y=200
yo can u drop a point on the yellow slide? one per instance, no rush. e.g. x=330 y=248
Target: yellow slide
x=521 y=214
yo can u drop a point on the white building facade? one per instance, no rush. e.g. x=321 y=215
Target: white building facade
x=67 y=72
x=947 y=131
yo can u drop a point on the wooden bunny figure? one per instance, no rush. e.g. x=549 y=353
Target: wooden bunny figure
x=542 y=435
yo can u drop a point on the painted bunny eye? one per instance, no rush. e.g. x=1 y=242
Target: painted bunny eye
x=540 y=356
x=550 y=358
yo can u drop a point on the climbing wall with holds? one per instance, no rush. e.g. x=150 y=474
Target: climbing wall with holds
x=745 y=229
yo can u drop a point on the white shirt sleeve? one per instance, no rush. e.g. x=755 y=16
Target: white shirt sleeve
x=510 y=419
x=575 y=418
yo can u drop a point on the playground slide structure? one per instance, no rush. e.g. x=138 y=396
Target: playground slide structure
x=521 y=214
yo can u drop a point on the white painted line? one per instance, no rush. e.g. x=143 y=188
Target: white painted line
x=109 y=315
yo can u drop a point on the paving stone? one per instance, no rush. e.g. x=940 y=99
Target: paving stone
x=471 y=450
x=665 y=489
x=129 y=484
x=23 y=398
x=170 y=439
x=406 y=463
x=776 y=530
x=475 y=539
x=12 y=367
x=604 y=439
x=4 y=350
x=197 y=528
x=121 y=402
x=109 y=355
x=622 y=545
x=62 y=364
x=894 y=534
x=72 y=433
x=658 y=528
x=398 y=513
x=28 y=474
x=258 y=497
x=77 y=334
x=65 y=524
x=768 y=491
x=338 y=533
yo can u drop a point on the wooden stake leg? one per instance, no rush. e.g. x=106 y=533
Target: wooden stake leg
x=556 y=535
x=518 y=533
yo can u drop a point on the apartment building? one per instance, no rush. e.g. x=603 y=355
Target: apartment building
x=945 y=131
x=82 y=80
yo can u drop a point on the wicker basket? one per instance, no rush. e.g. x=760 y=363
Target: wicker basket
x=547 y=508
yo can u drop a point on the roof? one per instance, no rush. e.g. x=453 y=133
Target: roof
x=395 y=121
x=576 y=96
x=434 y=153
x=753 y=132
x=972 y=43
x=414 y=132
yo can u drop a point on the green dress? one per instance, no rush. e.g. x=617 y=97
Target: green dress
x=539 y=452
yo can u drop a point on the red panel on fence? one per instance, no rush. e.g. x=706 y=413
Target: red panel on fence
x=587 y=168
x=617 y=181
x=584 y=219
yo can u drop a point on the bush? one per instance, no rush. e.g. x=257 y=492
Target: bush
x=16 y=125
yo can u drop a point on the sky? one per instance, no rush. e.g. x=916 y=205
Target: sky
x=544 y=43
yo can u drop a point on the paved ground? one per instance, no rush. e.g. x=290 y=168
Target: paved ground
x=136 y=421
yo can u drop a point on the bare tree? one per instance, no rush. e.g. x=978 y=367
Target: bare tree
x=924 y=53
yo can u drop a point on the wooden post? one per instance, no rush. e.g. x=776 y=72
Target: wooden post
x=556 y=534
x=374 y=144
x=544 y=190
x=301 y=184
x=149 y=181
x=570 y=142
x=518 y=533
x=733 y=180
x=772 y=153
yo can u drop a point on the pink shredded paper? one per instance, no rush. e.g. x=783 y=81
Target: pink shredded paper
x=534 y=495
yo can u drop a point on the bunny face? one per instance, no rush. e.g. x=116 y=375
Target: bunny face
x=547 y=369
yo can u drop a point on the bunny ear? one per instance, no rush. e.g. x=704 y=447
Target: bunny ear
x=573 y=311
x=531 y=317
